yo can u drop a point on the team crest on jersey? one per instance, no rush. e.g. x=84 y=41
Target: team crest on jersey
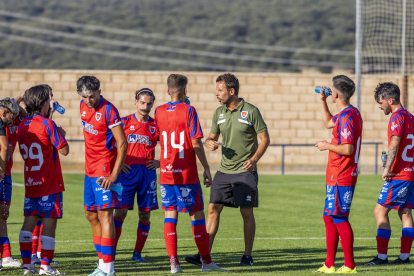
x=152 y=129
x=244 y=114
x=13 y=129
x=171 y=108
x=98 y=116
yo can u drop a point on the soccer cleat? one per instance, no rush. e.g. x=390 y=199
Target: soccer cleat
x=137 y=257
x=10 y=262
x=246 y=261
x=96 y=272
x=194 y=259
x=211 y=267
x=346 y=270
x=325 y=269
x=376 y=261
x=176 y=269
x=35 y=260
x=399 y=261
x=51 y=271
x=30 y=270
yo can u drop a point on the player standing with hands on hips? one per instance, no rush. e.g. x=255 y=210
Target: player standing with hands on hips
x=341 y=172
x=398 y=190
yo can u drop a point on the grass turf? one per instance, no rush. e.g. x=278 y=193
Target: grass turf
x=289 y=237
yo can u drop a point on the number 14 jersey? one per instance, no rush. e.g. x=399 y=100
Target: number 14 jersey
x=401 y=124
x=177 y=124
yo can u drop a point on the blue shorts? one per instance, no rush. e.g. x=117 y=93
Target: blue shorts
x=6 y=190
x=182 y=198
x=397 y=194
x=142 y=181
x=97 y=198
x=50 y=206
x=338 y=200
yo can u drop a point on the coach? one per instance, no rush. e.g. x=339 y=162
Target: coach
x=235 y=183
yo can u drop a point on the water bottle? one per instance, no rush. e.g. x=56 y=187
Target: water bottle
x=58 y=108
x=116 y=188
x=327 y=91
x=384 y=157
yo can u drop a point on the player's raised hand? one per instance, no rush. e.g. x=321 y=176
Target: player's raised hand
x=126 y=168
x=322 y=94
x=153 y=164
x=211 y=144
x=249 y=165
x=207 y=178
x=322 y=145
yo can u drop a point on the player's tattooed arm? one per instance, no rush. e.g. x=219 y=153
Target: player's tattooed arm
x=392 y=154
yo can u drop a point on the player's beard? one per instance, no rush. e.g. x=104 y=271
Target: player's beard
x=47 y=115
x=387 y=110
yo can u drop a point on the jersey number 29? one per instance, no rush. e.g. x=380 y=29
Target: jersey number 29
x=28 y=153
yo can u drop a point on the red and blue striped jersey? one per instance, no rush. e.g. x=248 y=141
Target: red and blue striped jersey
x=142 y=139
x=100 y=149
x=39 y=141
x=11 y=134
x=401 y=124
x=342 y=169
x=177 y=124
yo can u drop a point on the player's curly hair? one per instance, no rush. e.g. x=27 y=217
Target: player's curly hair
x=87 y=84
x=177 y=81
x=231 y=81
x=145 y=92
x=34 y=98
x=387 y=90
x=345 y=85
x=10 y=105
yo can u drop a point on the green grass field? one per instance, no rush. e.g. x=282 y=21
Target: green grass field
x=289 y=237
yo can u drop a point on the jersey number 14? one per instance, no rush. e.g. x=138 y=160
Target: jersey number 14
x=179 y=146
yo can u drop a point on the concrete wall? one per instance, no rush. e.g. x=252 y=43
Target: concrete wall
x=287 y=102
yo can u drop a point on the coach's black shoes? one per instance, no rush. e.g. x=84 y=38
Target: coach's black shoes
x=246 y=261
x=377 y=261
x=399 y=261
x=194 y=259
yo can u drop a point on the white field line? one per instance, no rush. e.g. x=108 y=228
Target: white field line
x=17 y=184
x=275 y=238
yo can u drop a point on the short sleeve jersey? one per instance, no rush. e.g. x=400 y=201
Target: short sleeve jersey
x=341 y=169
x=100 y=150
x=142 y=139
x=177 y=124
x=239 y=129
x=11 y=134
x=39 y=141
x=401 y=124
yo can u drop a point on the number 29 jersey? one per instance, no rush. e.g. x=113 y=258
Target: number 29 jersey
x=39 y=141
x=177 y=124
x=341 y=169
x=401 y=124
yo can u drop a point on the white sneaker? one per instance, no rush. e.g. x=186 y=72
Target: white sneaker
x=176 y=269
x=35 y=260
x=31 y=270
x=211 y=267
x=51 y=271
x=10 y=262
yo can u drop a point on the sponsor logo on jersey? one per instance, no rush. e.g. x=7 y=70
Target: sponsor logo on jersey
x=348 y=197
x=153 y=185
x=185 y=192
x=393 y=126
x=403 y=192
x=409 y=169
x=84 y=113
x=98 y=116
x=132 y=127
x=152 y=129
x=163 y=191
x=244 y=114
x=171 y=108
x=105 y=198
x=45 y=198
x=345 y=133
x=169 y=169
x=89 y=128
x=31 y=182
x=384 y=190
x=141 y=139
x=329 y=189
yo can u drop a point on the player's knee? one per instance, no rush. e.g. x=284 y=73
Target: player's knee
x=247 y=213
x=91 y=217
x=4 y=216
x=121 y=214
x=144 y=216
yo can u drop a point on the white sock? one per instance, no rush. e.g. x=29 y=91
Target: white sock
x=404 y=256
x=108 y=267
x=100 y=264
x=39 y=254
x=7 y=259
x=382 y=256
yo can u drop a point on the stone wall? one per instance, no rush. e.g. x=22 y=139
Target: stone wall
x=287 y=102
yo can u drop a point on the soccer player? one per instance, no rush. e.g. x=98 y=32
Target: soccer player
x=341 y=172
x=40 y=141
x=105 y=149
x=6 y=117
x=235 y=183
x=8 y=109
x=398 y=190
x=139 y=175
x=180 y=138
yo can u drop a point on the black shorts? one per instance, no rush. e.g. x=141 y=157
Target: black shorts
x=235 y=190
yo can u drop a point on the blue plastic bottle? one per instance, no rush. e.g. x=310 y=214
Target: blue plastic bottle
x=59 y=108
x=327 y=91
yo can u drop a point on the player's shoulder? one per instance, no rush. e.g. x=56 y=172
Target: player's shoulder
x=249 y=106
x=127 y=118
